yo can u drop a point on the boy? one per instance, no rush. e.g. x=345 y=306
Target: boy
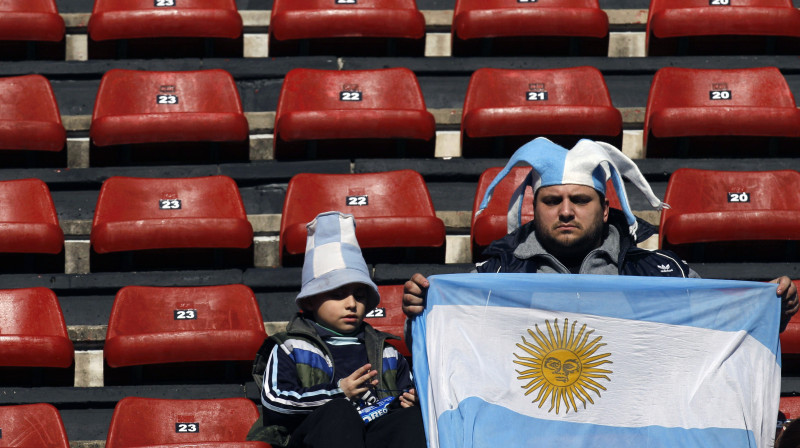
x=329 y=360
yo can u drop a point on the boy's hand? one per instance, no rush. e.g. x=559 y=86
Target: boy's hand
x=408 y=399
x=359 y=381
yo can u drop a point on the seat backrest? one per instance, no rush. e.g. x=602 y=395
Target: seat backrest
x=790 y=406
x=133 y=19
x=32 y=330
x=556 y=101
x=144 y=106
x=715 y=206
x=151 y=325
x=691 y=17
x=150 y=421
x=380 y=107
x=491 y=223
x=29 y=218
x=36 y=20
x=320 y=90
x=388 y=316
x=498 y=18
x=29 y=115
x=691 y=102
x=32 y=426
x=314 y=19
x=392 y=208
x=141 y=213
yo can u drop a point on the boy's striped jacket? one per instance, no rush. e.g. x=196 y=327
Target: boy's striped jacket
x=295 y=371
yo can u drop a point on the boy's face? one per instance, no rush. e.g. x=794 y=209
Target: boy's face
x=342 y=309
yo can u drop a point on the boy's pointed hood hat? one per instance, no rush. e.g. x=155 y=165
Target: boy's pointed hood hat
x=588 y=163
x=333 y=258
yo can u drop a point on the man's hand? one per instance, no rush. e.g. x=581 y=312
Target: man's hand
x=787 y=291
x=414 y=292
x=359 y=381
x=408 y=399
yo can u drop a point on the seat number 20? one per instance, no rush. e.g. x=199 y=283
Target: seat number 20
x=738 y=197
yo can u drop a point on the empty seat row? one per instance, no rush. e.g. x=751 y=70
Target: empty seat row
x=131 y=214
x=38 y=21
x=397 y=221
x=156 y=325
x=132 y=107
x=478 y=27
x=380 y=113
x=139 y=422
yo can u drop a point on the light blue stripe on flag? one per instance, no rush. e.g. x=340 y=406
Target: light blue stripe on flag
x=571 y=360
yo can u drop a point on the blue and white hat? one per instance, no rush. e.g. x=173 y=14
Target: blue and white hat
x=333 y=258
x=588 y=163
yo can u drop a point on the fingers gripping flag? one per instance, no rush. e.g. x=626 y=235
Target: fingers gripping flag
x=520 y=360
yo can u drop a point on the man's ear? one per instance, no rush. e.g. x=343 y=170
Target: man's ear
x=606 y=208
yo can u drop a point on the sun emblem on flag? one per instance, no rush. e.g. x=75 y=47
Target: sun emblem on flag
x=563 y=366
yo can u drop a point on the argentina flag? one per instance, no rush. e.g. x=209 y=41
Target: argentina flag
x=521 y=360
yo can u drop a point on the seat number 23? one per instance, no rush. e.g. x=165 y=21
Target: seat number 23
x=164 y=3
x=187 y=427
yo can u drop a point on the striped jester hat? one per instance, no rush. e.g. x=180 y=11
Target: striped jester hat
x=588 y=163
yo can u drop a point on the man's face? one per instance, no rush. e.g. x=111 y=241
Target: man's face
x=569 y=220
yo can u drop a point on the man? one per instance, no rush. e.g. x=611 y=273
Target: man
x=574 y=230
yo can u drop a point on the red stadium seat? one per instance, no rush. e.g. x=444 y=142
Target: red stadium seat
x=722 y=27
x=28 y=218
x=790 y=406
x=748 y=106
x=732 y=215
x=29 y=116
x=134 y=19
x=561 y=104
x=346 y=27
x=139 y=422
x=32 y=426
x=491 y=224
x=32 y=331
x=33 y=20
x=393 y=209
x=138 y=214
x=345 y=107
x=150 y=325
x=529 y=27
x=148 y=107
x=388 y=316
